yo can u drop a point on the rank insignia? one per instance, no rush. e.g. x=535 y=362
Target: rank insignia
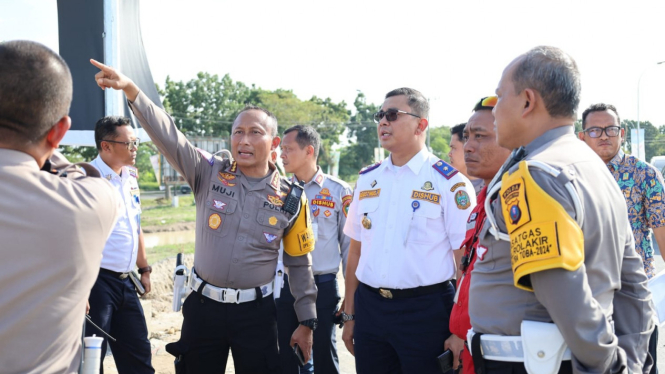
x=269 y=237
x=274 y=182
x=427 y=186
x=219 y=204
x=373 y=183
x=233 y=167
x=214 y=221
x=462 y=200
x=108 y=177
x=272 y=221
x=275 y=200
x=445 y=169
x=327 y=213
x=222 y=178
x=319 y=179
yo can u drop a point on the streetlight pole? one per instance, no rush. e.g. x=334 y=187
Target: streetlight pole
x=639 y=81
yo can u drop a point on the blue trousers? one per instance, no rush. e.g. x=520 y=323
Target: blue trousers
x=401 y=335
x=325 y=344
x=115 y=307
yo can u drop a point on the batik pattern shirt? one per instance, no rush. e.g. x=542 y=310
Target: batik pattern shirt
x=642 y=186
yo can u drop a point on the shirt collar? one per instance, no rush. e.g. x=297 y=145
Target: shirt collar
x=616 y=161
x=10 y=157
x=318 y=177
x=106 y=170
x=547 y=137
x=415 y=163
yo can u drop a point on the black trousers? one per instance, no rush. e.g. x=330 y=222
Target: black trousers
x=325 y=344
x=211 y=328
x=115 y=307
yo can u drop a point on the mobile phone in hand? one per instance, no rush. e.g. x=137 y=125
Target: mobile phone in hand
x=298 y=352
x=446 y=361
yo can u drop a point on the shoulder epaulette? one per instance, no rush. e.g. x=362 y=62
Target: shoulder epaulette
x=206 y=155
x=445 y=169
x=369 y=168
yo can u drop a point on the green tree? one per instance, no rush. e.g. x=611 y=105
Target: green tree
x=362 y=128
x=439 y=142
x=654 y=138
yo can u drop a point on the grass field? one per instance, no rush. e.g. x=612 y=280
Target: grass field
x=161 y=252
x=159 y=212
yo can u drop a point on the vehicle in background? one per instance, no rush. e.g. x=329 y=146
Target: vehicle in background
x=658 y=162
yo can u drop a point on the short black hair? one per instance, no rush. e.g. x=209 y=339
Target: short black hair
x=106 y=128
x=273 y=131
x=415 y=99
x=35 y=90
x=554 y=74
x=600 y=107
x=307 y=135
x=458 y=130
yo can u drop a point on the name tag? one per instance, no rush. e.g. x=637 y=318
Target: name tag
x=426 y=196
x=369 y=193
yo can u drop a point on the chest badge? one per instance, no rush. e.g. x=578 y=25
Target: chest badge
x=327 y=213
x=315 y=210
x=427 y=186
x=272 y=221
x=219 y=204
x=366 y=222
x=275 y=200
x=214 y=221
x=269 y=237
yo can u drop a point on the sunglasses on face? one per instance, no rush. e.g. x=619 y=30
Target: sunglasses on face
x=597 y=132
x=130 y=144
x=391 y=115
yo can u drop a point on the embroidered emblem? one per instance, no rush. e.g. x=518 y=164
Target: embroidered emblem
x=274 y=183
x=227 y=176
x=324 y=199
x=219 y=204
x=445 y=169
x=233 y=167
x=481 y=252
x=456 y=186
x=272 y=221
x=373 y=183
x=269 y=237
x=316 y=212
x=133 y=172
x=462 y=200
x=319 y=179
x=224 y=180
x=515 y=213
x=214 y=221
x=346 y=203
x=427 y=186
x=206 y=155
x=327 y=213
x=369 y=193
x=426 y=196
x=274 y=200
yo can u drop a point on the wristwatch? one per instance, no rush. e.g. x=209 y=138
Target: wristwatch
x=348 y=317
x=311 y=323
x=147 y=269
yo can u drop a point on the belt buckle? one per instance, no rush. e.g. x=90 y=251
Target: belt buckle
x=385 y=293
x=231 y=296
x=123 y=275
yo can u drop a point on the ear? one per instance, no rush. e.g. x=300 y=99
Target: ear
x=58 y=131
x=275 y=143
x=623 y=135
x=422 y=126
x=580 y=135
x=310 y=150
x=529 y=97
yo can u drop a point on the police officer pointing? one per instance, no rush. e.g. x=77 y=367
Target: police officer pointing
x=556 y=269
x=241 y=219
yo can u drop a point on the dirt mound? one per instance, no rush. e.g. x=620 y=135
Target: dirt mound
x=161 y=280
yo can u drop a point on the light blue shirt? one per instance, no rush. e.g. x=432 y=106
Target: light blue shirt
x=121 y=247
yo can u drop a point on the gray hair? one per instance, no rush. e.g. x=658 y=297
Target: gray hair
x=554 y=74
x=417 y=102
x=306 y=135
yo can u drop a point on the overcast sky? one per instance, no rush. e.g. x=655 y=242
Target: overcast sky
x=452 y=51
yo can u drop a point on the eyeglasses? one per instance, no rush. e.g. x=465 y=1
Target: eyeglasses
x=130 y=144
x=390 y=114
x=597 y=132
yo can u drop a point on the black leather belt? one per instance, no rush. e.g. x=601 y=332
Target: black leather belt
x=390 y=293
x=322 y=278
x=114 y=273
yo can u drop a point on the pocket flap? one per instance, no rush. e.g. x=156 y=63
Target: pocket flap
x=543 y=347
